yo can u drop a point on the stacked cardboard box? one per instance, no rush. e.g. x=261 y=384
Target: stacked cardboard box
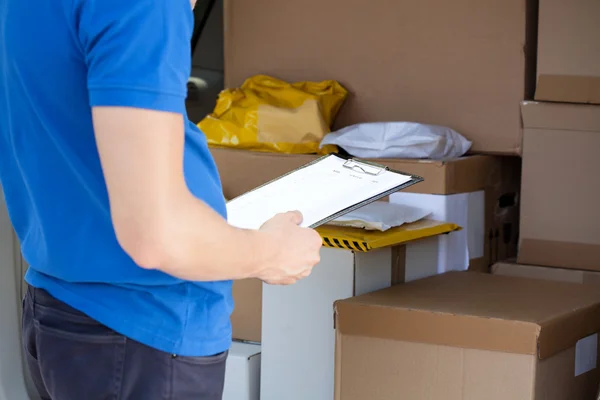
x=466 y=66
x=467 y=335
x=470 y=67
x=559 y=223
x=461 y=64
x=559 y=227
x=568 y=59
x=560 y=187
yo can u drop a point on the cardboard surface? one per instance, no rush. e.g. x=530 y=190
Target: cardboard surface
x=378 y=369
x=466 y=66
x=477 y=311
x=247 y=312
x=560 y=186
x=508 y=268
x=469 y=336
x=568 y=63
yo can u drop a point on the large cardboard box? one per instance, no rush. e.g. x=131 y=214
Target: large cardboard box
x=560 y=186
x=568 y=63
x=464 y=335
x=461 y=64
x=511 y=268
x=493 y=181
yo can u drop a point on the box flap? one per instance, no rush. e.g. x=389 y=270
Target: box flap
x=511 y=268
x=242 y=171
x=537 y=272
x=569 y=89
x=480 y=311
x=560 y=116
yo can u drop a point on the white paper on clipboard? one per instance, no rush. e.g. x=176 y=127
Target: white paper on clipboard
x=319 y=190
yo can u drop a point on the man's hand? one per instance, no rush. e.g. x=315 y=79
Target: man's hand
x=298 y=249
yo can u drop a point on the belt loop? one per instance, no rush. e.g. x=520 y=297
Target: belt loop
x=31 y=291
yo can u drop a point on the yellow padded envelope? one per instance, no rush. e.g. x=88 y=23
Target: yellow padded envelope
x=362 y=240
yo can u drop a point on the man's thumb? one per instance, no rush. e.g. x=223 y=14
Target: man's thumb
x=295 y=217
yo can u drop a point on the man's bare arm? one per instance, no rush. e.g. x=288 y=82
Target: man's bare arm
x=158 y=222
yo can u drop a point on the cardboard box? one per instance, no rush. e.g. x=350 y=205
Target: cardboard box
x=242 y=374
x=463 y=335
x=560 y=186
x=568 y=64
x=247 y=313
x=496 y=179
x=511 y=268
x=460 y=64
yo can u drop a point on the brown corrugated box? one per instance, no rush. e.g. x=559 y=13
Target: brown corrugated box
x=463 y=335
x=560 y=216
x=242 y=171
x=568 y=64
x=247 y=313
x=511 y=268
x=461 y=64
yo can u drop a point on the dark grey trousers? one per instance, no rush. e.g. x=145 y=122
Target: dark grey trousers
x=73 y=357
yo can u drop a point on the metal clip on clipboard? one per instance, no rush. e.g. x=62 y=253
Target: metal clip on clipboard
x=365 y=168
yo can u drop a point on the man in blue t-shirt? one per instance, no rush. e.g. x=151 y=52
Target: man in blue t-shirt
x=118 y=206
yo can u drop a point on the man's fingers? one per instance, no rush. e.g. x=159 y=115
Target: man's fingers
x=305 y=274
x=295 y=217
x=281 y=282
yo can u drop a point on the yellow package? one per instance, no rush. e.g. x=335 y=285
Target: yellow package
x=268 y=114
x=341 y=237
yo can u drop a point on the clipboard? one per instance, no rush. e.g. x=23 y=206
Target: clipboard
x=359 y=183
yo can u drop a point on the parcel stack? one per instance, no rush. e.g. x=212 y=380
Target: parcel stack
x=560 y=234
x=560 y=229
x=302 y=77
x=560 y=187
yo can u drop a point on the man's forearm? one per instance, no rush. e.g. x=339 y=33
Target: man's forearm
x=195 y=243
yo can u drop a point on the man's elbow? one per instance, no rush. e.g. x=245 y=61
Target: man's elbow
x=146 y=245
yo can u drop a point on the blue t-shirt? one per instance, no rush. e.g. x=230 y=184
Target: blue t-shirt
x=57 y=60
